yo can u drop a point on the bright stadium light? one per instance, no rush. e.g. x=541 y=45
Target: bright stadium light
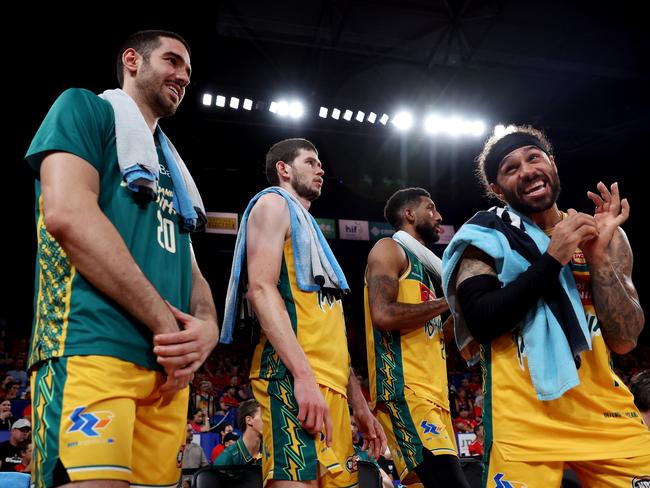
x=220 y=101
x=296 y=110
x=322 y=113
x=372 y=116
x=248 y=104
x=336 y=113
x=347 y=115
x=207 y=99
x=434 y=123
x=477 y=128
x=273 y=108
x=360 y=116
x=234 y=102
x=403 y=121
x=283 y=108
x=384 y=119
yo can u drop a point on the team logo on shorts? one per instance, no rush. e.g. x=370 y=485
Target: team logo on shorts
x=641 y=482
x=88 y=423
x=499 y=482
x=429 y=428
x=349 y=463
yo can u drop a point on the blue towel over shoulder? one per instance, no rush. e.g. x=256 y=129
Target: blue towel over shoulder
x=316 y=266
x=555 y=331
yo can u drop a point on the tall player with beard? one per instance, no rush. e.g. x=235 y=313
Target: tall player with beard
x=405 y=339
x=300 y=372
x=517 y=275
x=114 y=287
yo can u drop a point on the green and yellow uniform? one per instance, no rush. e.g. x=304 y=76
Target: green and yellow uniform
x=408 y=377
x=291 y=453
x=74 y=319
x=595 y=427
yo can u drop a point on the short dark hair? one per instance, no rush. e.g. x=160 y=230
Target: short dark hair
x=230 y=436
x=286 y=151
x=222 y=426
x=399 y=201
x=246 y=409
x=481 y=170
x=640 y=387
x=144 y=42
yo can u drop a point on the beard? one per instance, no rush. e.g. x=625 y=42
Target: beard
x=427 y=232
x=526 y=207
x=305 y=191
x=149 y=86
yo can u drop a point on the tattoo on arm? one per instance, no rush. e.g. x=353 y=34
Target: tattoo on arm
x=473 y=263
x=616 y=300
x=389 y=314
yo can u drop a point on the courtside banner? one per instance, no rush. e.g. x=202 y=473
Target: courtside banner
x=446 y=233
x=379 y=230
x=327 y=227
x=354 y=230
x=222 y=223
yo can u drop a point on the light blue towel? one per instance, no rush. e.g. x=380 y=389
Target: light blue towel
x=507 y=237
x=316 y=266
x=10 y=479
x=138 y=160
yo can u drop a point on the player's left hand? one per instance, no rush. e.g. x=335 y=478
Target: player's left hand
x=374 y=438
x=186 y=350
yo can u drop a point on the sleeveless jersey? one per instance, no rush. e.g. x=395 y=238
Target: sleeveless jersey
x=412 y=358
x=595 y=420
x=71 y=316
x=318 y=322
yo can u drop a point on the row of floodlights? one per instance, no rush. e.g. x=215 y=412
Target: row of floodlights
x=403 y=120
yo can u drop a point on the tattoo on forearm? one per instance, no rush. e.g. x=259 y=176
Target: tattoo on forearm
x=616 y=301
x=382 y=296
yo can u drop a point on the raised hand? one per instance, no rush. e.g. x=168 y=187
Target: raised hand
x=570 y=233
x=610 y=213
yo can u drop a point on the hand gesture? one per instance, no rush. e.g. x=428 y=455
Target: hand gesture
x=181 y=353
x=570 y=233
x=610 y=213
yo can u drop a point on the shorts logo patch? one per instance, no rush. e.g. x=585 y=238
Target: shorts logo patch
x=349 y=464
x=88 y=423
x=641 y=482
x=429 y=428
x=499 y=482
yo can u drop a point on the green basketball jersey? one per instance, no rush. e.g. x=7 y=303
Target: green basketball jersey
x=71 y=316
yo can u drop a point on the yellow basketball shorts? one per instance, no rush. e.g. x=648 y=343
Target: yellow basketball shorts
x=414 y=424
x=98 y=417
x=292 y=453
x=633 y=472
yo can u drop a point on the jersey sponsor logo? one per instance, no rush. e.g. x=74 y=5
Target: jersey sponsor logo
x=579 y=258
x=583 y=284
x=500 y=482
x=89 y=423
x=349 y=464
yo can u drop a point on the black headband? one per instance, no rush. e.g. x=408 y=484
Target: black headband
x=505 y=146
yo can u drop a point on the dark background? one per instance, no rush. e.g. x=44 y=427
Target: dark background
x=578 y=71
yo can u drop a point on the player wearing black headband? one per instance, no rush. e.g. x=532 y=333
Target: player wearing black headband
x=590 y=425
